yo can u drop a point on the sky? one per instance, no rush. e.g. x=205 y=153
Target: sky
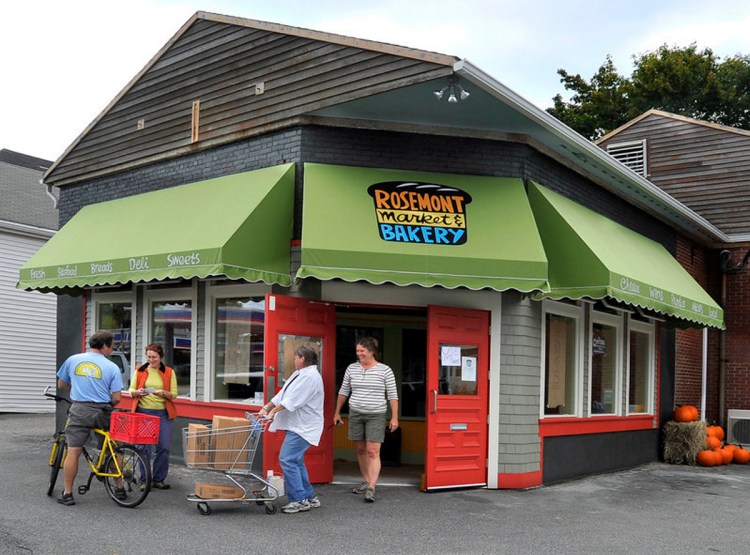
x=63 y=61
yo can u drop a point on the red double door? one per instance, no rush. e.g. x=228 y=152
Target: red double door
x=456 y=380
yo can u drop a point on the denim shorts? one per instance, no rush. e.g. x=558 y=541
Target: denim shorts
x=365 y=426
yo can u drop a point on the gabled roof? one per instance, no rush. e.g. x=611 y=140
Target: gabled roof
x=25 y=208
x=676 y=117
x=704 y=165
x=24 y=160
x=222 y=79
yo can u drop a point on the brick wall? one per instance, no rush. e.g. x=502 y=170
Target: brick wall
x=737 y=338
x=702 y=264
x=269 y=150
x=364 y=148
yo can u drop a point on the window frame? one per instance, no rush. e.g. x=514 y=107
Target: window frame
x=213 y=293
x=616 y=322
x=150 y=296
x=648 y=328
x=112 y=297
x=577 y=313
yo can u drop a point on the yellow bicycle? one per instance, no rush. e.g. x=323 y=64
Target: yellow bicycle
x=122 y=467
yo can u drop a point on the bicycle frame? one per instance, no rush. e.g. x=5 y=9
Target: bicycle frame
x=108 y=447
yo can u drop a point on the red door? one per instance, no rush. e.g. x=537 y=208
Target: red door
x=290 y=323
x=457 y=389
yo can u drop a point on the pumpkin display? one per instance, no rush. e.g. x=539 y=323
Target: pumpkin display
x=706 y=458
x=741 y=456
x=712 y=442
x=686 y=413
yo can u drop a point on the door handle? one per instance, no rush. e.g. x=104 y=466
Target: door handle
x=434 y=401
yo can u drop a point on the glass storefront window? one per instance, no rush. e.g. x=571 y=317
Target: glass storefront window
x=561 y=360
x=117 y=318
x=239 y=335
x=172 y=326
x=639 y=372
x=604 y=369
x=288 y=344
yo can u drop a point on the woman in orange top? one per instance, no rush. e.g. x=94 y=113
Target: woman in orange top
x=154 y=388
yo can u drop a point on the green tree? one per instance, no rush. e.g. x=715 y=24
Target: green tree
x=595 y=107
x=681 y=80
x=734 y=79
x=678 y=80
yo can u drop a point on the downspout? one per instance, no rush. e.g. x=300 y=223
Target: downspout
x=722 y=349
x=50 y=194
x=704 y=373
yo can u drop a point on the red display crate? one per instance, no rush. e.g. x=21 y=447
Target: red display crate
x=134 y=427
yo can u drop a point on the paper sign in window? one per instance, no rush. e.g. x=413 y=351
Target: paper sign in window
x=450 y=355
x=469 y=369
x=556 y=363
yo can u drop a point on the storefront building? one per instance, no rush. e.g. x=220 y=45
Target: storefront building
x=257 y=187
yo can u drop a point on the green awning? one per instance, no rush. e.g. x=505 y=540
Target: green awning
x=590 y=256
x=238 y=226
x=428 y=229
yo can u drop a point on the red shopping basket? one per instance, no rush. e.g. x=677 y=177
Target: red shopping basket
x=134 y=427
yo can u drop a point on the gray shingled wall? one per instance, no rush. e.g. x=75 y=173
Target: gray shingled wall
x=520 y=381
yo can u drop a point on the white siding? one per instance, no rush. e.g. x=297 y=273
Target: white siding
x=28 y=333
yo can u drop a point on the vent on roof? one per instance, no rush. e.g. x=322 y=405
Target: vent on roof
x=738 y=427
x=632 y=154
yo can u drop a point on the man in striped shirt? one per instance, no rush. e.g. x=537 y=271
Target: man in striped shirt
x=370 y=387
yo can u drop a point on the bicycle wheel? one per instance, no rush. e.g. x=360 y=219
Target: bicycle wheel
x=135 y=482
x=59 y=447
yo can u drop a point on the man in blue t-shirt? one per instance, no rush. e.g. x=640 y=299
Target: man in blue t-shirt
x=95 y=384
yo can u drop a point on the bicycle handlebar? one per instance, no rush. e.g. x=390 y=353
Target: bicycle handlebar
x=54 y=396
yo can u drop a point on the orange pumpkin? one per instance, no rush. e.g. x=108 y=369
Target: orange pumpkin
x=718 y=456
x=726 y=455
x=716 y=431
x=686 y=413
x=706 y=458
x=741 y=456
x=731 y=447
x=713 y=442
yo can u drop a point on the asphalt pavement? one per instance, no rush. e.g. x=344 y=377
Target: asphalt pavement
x=652 y=509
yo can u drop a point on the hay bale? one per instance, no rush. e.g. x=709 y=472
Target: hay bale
x=683 y=441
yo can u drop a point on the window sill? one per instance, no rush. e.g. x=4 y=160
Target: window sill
x=564 y=426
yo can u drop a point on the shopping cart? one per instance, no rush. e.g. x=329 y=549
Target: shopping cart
x=230 y=450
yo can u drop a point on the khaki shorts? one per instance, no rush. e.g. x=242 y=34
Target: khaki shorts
x=368 y=427
x=82 y=418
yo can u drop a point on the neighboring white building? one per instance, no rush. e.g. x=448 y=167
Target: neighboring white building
x=28 y=320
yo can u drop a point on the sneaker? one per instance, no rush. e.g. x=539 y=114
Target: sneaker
x=160 y=485
x=314 y=502
x=120 y=494
x=370 y=495
x=295 y=507
x=361 y=488
x=66 y=499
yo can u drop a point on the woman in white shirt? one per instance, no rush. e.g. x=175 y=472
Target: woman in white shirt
x=298 y=409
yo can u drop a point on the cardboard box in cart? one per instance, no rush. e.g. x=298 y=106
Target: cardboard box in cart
x=198 y=451
x=205 y=490
x=230 y=437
